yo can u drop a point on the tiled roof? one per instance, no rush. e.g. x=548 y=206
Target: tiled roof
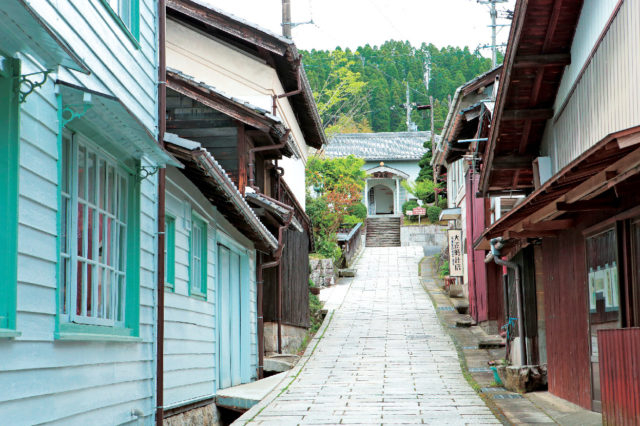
x=379 y=146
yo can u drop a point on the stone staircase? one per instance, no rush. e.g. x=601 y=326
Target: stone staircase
x=383 y=232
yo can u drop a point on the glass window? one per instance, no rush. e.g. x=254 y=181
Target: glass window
x=170 y=251
x=93 y=243
x=198 y=257
x=127 y=14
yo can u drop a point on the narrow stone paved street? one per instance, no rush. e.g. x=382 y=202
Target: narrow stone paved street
x=383 y=359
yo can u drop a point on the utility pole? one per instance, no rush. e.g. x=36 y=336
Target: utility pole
x=408 y=105
x=286 y=18
x=494 y=28
x=433 y=129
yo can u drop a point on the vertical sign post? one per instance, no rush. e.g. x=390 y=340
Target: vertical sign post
x=455 y=253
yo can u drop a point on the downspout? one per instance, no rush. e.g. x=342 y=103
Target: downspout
x=516 y=269
x=274 y=108
x=252 y=158
x=274 y=263
x=162 y=122
x=277 y=256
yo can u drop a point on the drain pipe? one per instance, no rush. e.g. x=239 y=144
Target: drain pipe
x=252 y=157
x=516 y=270
x=162 y=123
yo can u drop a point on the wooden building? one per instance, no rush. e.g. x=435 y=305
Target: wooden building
x=456 y=161
x=567 y=121
x=78 y=258
x=241 y=118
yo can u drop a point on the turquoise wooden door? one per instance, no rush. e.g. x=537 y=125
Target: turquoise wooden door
x=229 y=318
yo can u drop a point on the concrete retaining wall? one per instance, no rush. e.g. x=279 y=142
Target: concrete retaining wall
x=430 y=237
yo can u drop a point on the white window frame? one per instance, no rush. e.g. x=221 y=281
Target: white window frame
x=104 y=312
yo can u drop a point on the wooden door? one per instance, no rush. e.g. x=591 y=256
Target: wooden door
x=229 y=318
x=603 y=296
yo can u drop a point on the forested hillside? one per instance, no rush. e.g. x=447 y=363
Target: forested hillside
x=365 y=90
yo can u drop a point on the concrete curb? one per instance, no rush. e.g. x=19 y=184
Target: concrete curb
x=497 y=412
x=292 y=375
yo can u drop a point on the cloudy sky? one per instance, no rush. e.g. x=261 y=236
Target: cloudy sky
x=351 y=23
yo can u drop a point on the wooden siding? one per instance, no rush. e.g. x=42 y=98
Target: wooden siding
x=478 y=296
x=605 y=98
x=567 y=339
x=75 y=380
x=190 y=364
x=116 y=65
x=295 y=278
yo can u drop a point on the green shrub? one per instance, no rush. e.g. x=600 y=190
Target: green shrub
x=444 y=269
x=433 y=213
x=443 y=203
x=311 y=283
x=315 y=308
x=409 y=205
x=327 y=247
x=358 y=210
x=350 y=221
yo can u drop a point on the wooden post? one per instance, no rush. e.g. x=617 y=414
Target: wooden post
x=242 y=158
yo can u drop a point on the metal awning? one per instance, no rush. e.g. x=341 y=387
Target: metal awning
x=281 y=213
x=450 y=214
x=23 y=30
x=104 y=119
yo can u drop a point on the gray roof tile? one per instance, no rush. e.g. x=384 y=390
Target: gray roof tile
x=379 y=146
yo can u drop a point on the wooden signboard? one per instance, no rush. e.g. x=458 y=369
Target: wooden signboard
x=455 y=253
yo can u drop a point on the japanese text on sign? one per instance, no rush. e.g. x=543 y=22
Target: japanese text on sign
x=455 y=253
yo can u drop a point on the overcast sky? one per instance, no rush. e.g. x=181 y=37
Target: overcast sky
x=352 y=23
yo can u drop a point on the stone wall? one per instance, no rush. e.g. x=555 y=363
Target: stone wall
x=292 y=337
x=207 y=415
x=431 y=237
x=323 y=273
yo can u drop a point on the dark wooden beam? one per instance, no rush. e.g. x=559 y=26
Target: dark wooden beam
x=587 y=205
x=527 y=114
x=552 y=225
x=552 y=60
x=512 y=162
x=528 y=234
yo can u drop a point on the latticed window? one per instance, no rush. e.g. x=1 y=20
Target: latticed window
x=93 y=240
x=198 y=257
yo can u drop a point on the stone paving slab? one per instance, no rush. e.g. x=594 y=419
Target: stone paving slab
x=383 y=357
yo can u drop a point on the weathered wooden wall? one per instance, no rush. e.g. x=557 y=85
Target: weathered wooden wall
x=566 y=317
x=495 y=294
x=620 y=376
x=295 y=283
x=477 y=272
x=295 y=279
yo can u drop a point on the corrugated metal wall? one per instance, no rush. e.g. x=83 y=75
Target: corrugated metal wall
x=620 y=376
x=606 y=98
x=566 y=317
